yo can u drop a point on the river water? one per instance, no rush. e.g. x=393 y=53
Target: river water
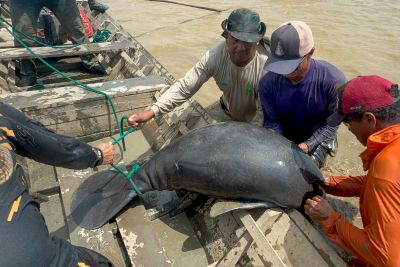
x=359 y=37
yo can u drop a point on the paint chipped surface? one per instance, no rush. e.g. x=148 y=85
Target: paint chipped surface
x=77 y=174
x=94 y=238
x=131 y=242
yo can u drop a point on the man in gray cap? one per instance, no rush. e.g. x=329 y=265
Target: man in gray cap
x=235 y=65
x=298 y=93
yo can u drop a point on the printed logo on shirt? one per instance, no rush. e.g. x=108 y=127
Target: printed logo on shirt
x=224 y=85
x=249 y=89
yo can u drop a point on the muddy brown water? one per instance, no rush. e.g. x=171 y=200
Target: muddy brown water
x=359 y=37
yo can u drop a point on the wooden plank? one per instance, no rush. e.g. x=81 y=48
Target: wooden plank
x=71 y=95
x=56 y=83
x=50 y=52
x=4 y=9
x=11 y=76
x=263 y=244
x=315 y=238
x=131 y=66
x=56 y=79
x=6 y=44
x=100 y=108
x=265 y=221
x=140 y=238
x=4 y=86
x=67 y=64
x=77 y=112
x=292 y=245
x=85 y=127
x=53 y=214
x=101 y=240
x=162 y=242
x=42 y=178
x=113 y=68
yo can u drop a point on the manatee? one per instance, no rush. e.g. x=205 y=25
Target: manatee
x=231 y=160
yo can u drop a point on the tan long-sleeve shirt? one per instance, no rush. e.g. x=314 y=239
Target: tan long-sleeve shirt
x=238 y=84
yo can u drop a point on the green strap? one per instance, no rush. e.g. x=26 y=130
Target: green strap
x=121 y=137
x=122 y=131
x=101 y=36
x=135 y=168
x=128 y=176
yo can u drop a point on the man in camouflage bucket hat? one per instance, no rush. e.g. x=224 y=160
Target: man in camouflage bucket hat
x=245 y=25
x=235 y=65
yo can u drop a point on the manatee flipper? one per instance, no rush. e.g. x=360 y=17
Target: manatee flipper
x=223 y=206
x=99 y=198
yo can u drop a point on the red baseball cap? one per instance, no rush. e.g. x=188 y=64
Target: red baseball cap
x=362 y=94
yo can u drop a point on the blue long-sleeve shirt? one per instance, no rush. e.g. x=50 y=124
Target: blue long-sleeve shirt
x=299 y=111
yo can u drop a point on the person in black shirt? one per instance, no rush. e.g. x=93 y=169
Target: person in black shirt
x=22 y=227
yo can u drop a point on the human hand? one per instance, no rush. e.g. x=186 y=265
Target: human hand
x=108 y=153
x=318 y=209
x=326 y=181
x=303 y=147
x=143 y=116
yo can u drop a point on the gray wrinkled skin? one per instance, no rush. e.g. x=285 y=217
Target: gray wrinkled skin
x=234 y=160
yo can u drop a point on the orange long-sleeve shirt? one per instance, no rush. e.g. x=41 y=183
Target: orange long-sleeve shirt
x=378 y=243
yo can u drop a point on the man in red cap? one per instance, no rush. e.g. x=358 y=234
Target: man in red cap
x=370 y=107
x=235 y=65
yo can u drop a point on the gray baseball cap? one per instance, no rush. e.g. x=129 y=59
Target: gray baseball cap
x=244 y=24
x=290 y=42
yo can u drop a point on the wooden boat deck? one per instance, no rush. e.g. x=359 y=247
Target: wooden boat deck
x=138 y=236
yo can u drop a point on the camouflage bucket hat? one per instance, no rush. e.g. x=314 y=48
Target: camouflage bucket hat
x=244 y=24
